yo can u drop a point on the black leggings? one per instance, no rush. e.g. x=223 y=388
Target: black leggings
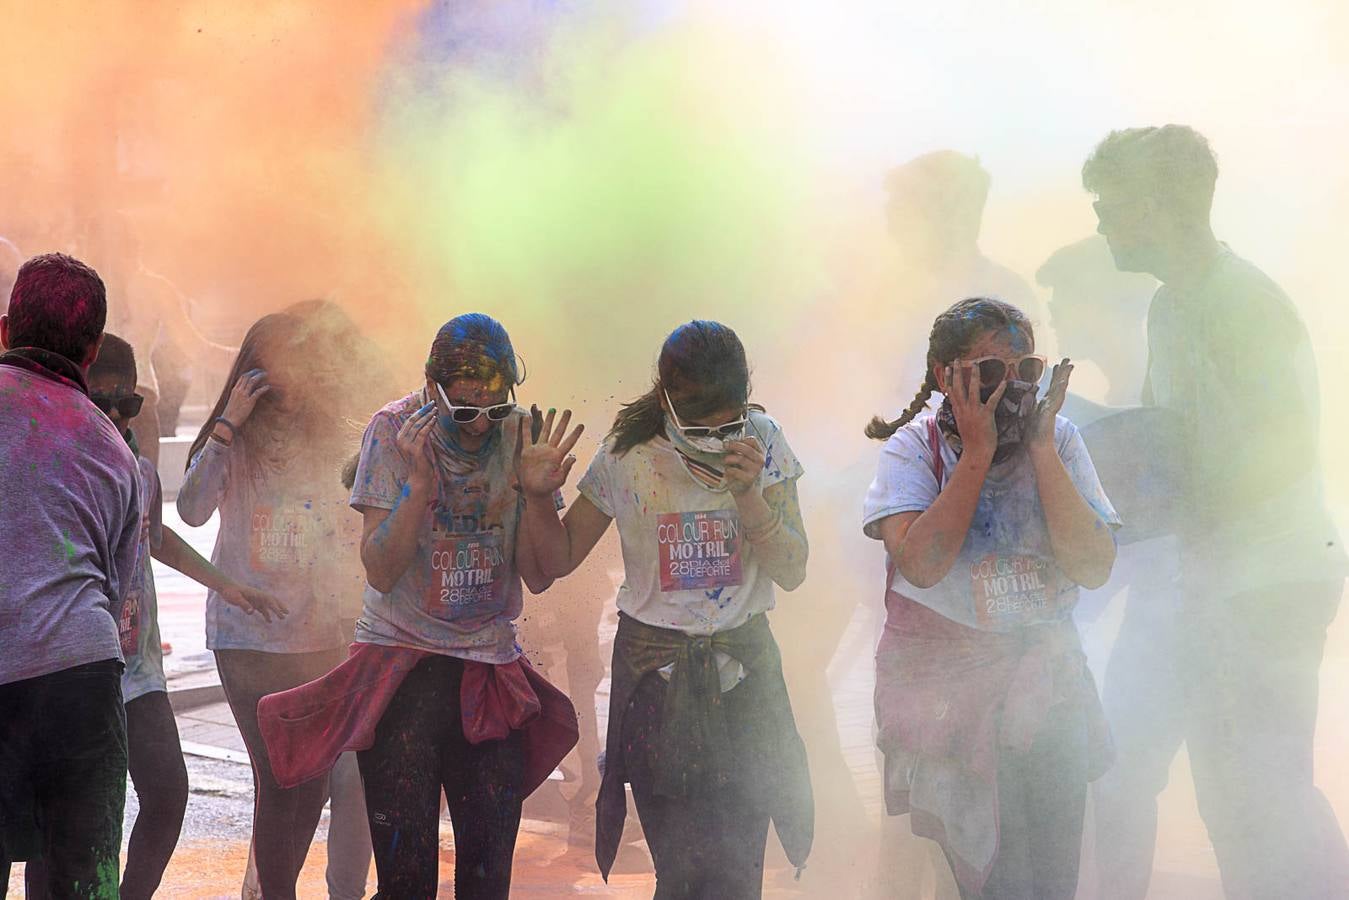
x=710 y=844
x=419 y=749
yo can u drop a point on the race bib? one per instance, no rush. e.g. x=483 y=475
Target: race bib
x=280 y=537
x=699 y=550
x=129 y=624
x=468 y=576
x=1011 y=590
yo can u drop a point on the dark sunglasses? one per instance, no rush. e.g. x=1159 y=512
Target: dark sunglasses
x=128 y=406
x=993 y=369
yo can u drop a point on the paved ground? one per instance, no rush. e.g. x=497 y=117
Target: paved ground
x=214 y=846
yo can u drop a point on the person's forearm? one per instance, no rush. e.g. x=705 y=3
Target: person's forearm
x=1083 y=545
x=780 y=549
x=549 y=538
x=527 y=561
x=178 y=554
x=933 y=542
x=389 y=550
x=204 y=483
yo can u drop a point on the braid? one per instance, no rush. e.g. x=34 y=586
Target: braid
x=879 y=429
x=953 y=332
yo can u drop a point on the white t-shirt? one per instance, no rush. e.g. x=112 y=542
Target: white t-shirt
x=687 y=566
x=286 y=532
x=1006 y=575
x=138 y=625
x=461 y=593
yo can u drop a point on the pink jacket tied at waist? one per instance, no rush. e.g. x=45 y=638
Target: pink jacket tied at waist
x=949 y=699
x=308 y=727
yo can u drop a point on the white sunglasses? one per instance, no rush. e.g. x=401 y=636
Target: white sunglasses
x=463 y=415
x=729 y=430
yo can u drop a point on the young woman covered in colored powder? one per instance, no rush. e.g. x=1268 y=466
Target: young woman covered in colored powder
x=268 y=459
x=436 y=695
x=992 y=516
x=702 y=485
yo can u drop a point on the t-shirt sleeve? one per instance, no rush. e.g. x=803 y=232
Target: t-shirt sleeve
x=905 y=481
x=126 y=554
x=595 y=483
x=780 y=462
x=1076 y=459
x=382 y=470
x=156 y=507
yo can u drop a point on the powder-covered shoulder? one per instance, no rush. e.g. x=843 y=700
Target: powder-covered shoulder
x=147 y=470
x=910 y=439
x=905 y=479
x=388 y=419
x=398 y=411
x=114 y=444
x=605 y=448
x=1064 y=433
x=780 y=461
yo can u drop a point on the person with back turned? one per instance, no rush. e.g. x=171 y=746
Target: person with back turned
x=1261 y=565
x=69 y=526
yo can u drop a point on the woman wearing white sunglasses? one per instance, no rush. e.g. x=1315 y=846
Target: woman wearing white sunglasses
x=444 y=560
x=992 y=516
x=703 y=487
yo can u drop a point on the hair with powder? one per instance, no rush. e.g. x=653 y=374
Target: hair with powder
x=702 y=366
x=953 y=333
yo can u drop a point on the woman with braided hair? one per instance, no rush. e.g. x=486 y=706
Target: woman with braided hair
x=992 y=516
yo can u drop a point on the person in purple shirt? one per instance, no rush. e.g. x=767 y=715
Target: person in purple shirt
x=69 y=527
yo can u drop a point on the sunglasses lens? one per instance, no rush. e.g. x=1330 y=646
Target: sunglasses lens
x=130 y=407
x=464 y=415
x=697 y=431
x=1031 y=369
x=991 y=372
x=497 y=413
x=105 y=404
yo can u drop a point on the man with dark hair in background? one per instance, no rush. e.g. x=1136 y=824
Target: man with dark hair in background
x=1089 y=297
x=1262 y=568
x=69 y=526
x=935 y=213
x=876 y=317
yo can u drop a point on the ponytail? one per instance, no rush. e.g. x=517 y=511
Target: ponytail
x=878 y=429
x=701 y=362
x=638 y=422
x=347 y=474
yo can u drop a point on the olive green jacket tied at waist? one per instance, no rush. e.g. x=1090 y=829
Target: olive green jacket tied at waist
x=694 y=751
